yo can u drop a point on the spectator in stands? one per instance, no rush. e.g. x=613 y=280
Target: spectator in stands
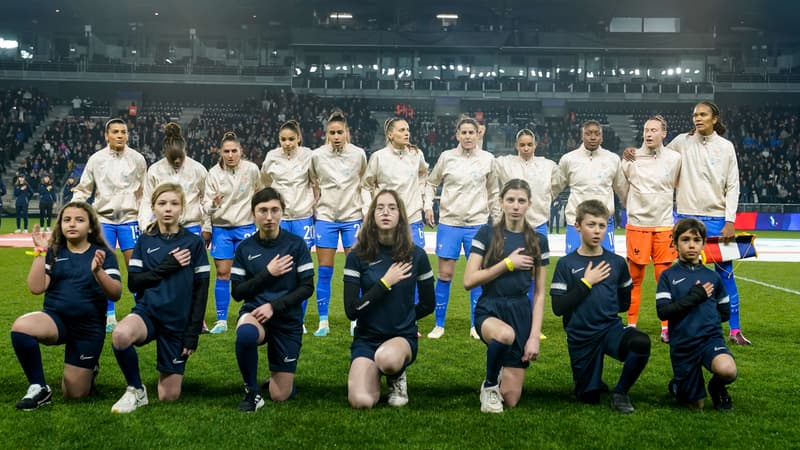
x=69 y=188
x=3 y=192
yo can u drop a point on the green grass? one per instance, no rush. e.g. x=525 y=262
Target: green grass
x=443 y=387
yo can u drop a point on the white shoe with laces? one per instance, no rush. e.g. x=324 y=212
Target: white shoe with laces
x=436 y=333
x=130 y=400
x=491 y=399
x=398 y=391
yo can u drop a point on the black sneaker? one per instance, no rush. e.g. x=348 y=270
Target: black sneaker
x=251 y=402
x=36 y=397
x=621 y=402
x=719 y=395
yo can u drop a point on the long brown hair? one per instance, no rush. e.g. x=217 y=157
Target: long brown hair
x=152 y=229
x=95 y=236
x=229 y=136
x=338 y=116
x=293 y=125
x=174 y=145
x=496 y=249
x=388 y=126
x=368 y=245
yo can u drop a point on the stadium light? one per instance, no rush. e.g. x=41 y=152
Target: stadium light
x=678 y=70
x=670 y=72
x=24 y=54
x=663 y=72
x=8 y=43
x=636 y=71
x=460 y=68
x=313 y=69
x=374 y=67
x=521 y=73
x=472 y=76
x=622 y=71
x=297 y=71
x=447 y=16
x=501 y=70
x=341 y=15
x=696 y=71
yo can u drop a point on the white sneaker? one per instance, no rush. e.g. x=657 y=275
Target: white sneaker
x=491 y=399
x=436 y=333
x=353 y=327
x=220 y=326
x=47 y=229
x=398 y=391
x=130 y=400
x=473 y=333
x=304 y=329
x=17 y=231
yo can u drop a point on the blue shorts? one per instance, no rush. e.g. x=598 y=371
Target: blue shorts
x=366 y=348
x=516 y=312
x=573 y=238
x=714 y=225
x=418 y=234
x=687 y=384
x=83 y=339
x=449 y=240
x=169 y=345
x=224 y=240
x=586 y=359
x=301 y=227
x=125 y=234
x=327 y=233
x=195 y=229
x=283 y=342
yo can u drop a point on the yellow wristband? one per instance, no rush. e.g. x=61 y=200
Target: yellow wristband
x=509 y=264
x=385 y=284
x=37 y=251
x=588 y=285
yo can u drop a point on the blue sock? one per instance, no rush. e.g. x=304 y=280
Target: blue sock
x=725 y=271
x=247 y=355
x=111 y=309
x=30 y=357
x=442 y=292
x=495 y=352
x=474 y=295
x=222 y=298
x=324 y=290
x=305 y=306
x=128 y=362
x=633 y=367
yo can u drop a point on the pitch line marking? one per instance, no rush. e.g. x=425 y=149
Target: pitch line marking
x=769 y=285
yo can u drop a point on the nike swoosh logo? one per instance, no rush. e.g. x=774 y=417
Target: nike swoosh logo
x=574 y=271
x=716 y=349
x=151 y=250
x=376 y=262
x=178 y=361
x=62 y=259
x=252 y=257
x=86 y=358
x=676 y=282
x=286 y=359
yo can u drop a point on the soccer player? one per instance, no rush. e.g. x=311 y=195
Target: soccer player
x=400 y=166
x=230 y=186
x=337 y=174
x=590 y=172
x=651 y=180
x=469 y=194
x=179 y=169
x=692 y=298
x=590 y=287
x=48 y=196
x=287 y=169
x=169 y=276
x=273 y=273
x=708 y=190
x=387 y=267
x=504 y=259
x=76 y=271
x=540 y=173
x=115 y=174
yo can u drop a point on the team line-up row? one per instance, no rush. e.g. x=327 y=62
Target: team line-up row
x=328 y=183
